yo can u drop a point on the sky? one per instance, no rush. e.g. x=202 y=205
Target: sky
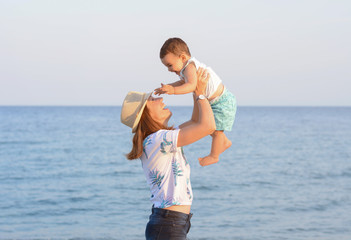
x=83 y=52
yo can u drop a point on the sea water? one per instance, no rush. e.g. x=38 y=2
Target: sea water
x=63 y=175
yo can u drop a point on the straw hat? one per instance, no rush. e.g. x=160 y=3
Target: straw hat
x=133 y=107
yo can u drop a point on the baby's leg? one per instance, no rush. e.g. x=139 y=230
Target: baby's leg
x=219 y=144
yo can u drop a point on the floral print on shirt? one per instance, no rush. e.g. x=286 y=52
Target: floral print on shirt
x=177 y=171
x=165 y=143
x=147 y=141
x=156 y=178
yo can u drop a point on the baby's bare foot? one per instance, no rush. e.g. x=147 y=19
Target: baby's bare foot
x=226 y=144
x=208 y=160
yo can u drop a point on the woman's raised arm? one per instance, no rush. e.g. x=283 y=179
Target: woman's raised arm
x=202 y=122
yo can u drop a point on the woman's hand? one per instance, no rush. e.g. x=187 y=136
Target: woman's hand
x=202 y=78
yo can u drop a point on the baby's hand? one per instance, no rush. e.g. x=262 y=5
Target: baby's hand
x=164 y=89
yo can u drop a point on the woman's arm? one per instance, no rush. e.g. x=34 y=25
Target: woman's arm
x=201 y=74
x=194 y=117
x=202 y=122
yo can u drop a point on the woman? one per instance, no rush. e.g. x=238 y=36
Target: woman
x=159 y=147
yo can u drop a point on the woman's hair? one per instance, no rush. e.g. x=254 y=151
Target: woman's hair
x=176 y=46
x=145 y=127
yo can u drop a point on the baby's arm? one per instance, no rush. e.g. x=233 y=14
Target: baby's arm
x=181 y=87
x=169 y=88
x=190 y=85
x=177 y=83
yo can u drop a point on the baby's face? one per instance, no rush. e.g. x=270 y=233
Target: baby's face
x=173 y=63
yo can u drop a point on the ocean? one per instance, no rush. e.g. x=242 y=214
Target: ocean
x=63 y=175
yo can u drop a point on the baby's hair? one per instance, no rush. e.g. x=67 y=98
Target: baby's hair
x=176 y=46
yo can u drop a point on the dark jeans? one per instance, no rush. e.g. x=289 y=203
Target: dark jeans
x=167 y=225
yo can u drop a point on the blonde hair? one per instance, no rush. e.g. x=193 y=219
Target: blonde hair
x=176 y=46
x=145 y=127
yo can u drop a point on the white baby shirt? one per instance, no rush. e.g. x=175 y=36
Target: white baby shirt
x=213 y=82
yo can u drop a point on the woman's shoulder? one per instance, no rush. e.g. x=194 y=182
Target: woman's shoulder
x=165 y=132
x=161 y=134
x=163 y=141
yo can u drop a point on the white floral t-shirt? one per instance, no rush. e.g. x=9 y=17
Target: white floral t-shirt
x=166 y=169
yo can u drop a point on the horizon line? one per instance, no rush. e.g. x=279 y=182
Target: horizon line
x=173 y=105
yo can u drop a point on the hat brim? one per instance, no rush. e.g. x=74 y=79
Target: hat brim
x=140 y=113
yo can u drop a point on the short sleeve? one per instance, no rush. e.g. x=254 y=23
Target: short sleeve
x=169 y=140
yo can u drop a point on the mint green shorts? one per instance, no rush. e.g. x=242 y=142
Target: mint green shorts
x=224 y=110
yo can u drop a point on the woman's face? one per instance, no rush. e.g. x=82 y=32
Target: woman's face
x=157 y=110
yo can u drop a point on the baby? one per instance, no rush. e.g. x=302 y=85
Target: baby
x=175 y=55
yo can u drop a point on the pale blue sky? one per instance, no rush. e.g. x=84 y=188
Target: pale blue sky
x=68 y=52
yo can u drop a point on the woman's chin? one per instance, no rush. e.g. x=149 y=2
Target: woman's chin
x=170 y=114
x=167 y=109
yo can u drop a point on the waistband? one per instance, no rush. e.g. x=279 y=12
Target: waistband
x=218 y=97
x=171 y=214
